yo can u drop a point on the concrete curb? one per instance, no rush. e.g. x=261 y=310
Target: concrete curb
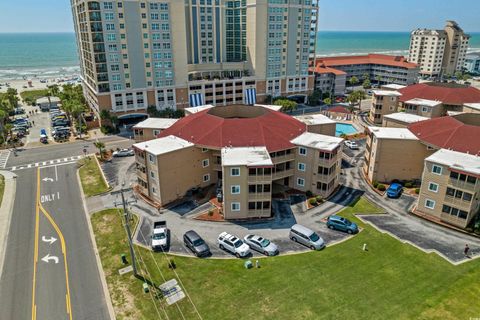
x=103 y=174
x=108 y=299
x=415 y=246
x=6 y=210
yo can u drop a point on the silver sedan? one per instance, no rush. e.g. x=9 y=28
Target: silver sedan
x=261 y=244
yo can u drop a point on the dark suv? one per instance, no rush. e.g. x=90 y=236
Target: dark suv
x=194 y=242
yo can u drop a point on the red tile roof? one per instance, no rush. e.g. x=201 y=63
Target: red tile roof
x=323 y=69
x=448 y=133
x=394 y=61
x=272 y=129
x=451 y=94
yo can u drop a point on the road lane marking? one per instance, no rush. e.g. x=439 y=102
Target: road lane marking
x=48 y=257
x=35 y=251
x=64 y=251
x=50 y=240
x=56 y=174
x=47 y=179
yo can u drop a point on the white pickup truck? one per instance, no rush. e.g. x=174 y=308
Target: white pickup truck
x=233 y=245
x=160 y=236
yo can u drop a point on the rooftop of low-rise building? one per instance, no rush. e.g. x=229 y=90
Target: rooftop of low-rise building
x=321 y=69
x=269 y=106
x=246 y=156
x=339 y=109
x=392 y=133
x=460 y=161
x=458 y=133
x=192 y=110
x=155 y=123
x=424 y=102
x=380 y=59
x=317 y=141
x=388 y=93
x=392 y=86
x=475 y=106
x=315 y=119
x=405 y=117
x=163 y=145
x=447 y=93
x=238 y=126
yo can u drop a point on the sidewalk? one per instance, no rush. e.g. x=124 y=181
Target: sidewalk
x=6 y=210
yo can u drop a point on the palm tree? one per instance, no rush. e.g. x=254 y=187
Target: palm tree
x=353 y=81
x=101 y=147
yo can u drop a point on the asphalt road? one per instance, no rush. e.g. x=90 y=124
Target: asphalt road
x=50 y=269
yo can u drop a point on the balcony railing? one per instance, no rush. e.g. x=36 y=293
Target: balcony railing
x=284 y=158
x=260 y=196
x=282 y=174
x=462 y=184
x=267 y=178
x=459 y=203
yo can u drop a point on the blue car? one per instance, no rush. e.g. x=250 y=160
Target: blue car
x=335 y=222
x=395 y=190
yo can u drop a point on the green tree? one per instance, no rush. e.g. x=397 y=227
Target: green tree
x=366 y=84
x=378 y=79
x=353 y=81
x=366 y=76
x=287 y=105
x=459 y=75
x=327 y=100
x=101 y=148
x=12 y=97
x=355 y=98
x=314 y=98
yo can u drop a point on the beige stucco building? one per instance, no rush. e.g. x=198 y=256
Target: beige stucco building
x=450 y=187
x=383 y=102
x=244 y=151
x=176 y=54
x=401 y=120
x=150 y=128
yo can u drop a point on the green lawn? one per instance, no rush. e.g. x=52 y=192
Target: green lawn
x=2 y=187
x=390 y=281
x=30 y=96
x=91 y=177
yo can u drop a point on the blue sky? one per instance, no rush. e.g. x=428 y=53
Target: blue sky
x=361 y=15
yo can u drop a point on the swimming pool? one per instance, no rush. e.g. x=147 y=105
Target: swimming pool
x=344 y=128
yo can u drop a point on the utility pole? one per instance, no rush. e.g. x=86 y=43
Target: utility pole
x=127 y=223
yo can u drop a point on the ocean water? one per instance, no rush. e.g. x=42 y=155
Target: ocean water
x=42 y=55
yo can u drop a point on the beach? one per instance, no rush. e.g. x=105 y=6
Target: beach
x=35 y=84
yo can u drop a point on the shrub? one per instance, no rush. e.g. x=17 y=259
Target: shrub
x=210 y=213
x=312 y=201
x=408 y=185
x=375 y=184
x=309 y=194
x=381 y=187
x=417 y=190
x=319 y=199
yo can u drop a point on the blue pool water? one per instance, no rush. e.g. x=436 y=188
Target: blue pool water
x=344 y=128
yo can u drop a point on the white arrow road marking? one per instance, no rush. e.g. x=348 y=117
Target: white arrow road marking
x=51 y=240
x=48 y=257
x=47 y=179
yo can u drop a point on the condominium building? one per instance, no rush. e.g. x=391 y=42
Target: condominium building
x=439 y=52
x=450 y=187
x=150 y=128
x=181 y=53
x=334 y=73
x=472 y=63
x=384 y=102
x=244 y=151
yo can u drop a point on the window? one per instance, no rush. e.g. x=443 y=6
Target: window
x=156 y=132
x=437 y=169
x=151 y=158
x=235 y=172
x=433 y=187
x=206 y=177
x=204 y=150
x=301 y=167
x=235 y=206
x=302 y=151
x=152 y=174
x=301 y=182
x=235 y=189
x=430 y=204
x=467 y=196
x=205 y=163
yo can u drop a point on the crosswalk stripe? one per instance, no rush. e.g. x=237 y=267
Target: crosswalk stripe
x=29 y=166
x=36 y=164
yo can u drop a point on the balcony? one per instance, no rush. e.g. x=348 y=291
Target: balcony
x=260 y=196
x=282 y=174
x=458 y=203
x=462 y=184
x=327 y=162
x=218 y=75
x=283 y=158
x=258 y=179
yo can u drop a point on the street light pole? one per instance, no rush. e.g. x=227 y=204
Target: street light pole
x=127 y=225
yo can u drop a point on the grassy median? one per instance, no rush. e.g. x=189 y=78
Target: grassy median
x=390 y=281
x=2 y=188
x=91 y=177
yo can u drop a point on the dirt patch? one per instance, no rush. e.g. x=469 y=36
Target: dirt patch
x=211 y=215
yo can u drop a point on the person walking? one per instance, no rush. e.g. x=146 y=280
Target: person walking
x=466 y=250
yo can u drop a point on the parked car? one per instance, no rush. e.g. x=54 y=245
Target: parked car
x=261 y=244
x=123 y=153
x=395 y=190
x=335 y=222
x=307 y=237
x=160 y=235
x=233 y=245
x=196 y=244
x=351 y=144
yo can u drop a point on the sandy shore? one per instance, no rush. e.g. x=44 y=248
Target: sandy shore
x=22 y=85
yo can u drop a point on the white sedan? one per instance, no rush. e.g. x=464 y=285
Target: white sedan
x=351 y=144
x=123 y=153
